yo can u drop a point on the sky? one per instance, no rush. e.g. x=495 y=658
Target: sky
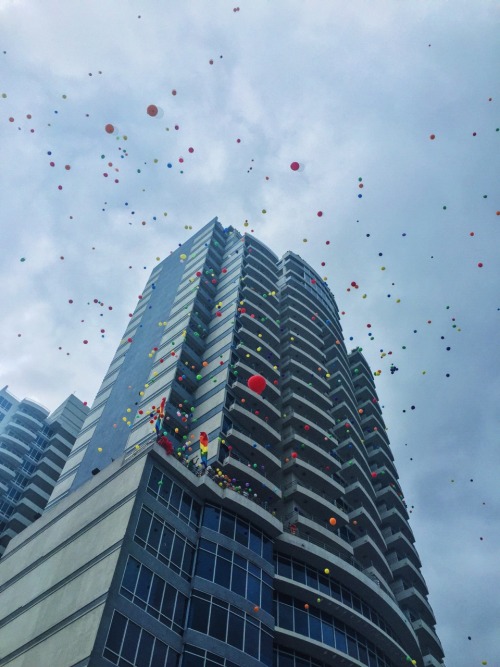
x=391 y=110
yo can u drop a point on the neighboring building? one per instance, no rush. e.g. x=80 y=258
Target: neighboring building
x=34 y=446
x=292 y=548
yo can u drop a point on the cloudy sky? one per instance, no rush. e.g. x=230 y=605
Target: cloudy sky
x=401 y=98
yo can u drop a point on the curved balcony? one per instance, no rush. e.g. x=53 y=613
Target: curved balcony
x=6 y=473
x=253 y=341
x=258 y=270
x=311 y=475
x=357 y=471
x=244 y=372
x=254 y=452
x=256 y=362
x=317 y=381
x=358 y=494
x=367 y=552
x=339 y=394
x=374 y=633
x=319 y=504
x=386 y=475
x=253 y=245
x=15 y=445
x=391 y=499
x=311 y=411
x=316 y=455
x=402 y=545
x=241 y=390
x=405 y=569
x=251 y=475
x=378 y=457
x=252 y=297
x=342 y=432
x=366 y=521
x=308 y=347
x=29 y=421
x=363 y=392
x=253 y=423
x=289 y=349
x=344 y=412
x=255 y=326
x=380 y=439
x=351 y=574
x=298 y=422
x=428 y=639
x=21 y=433
x=393 y=518
x=372 y=420
x=409 y=596
x=304 y=529
x=37 y=410
x=293 y=318
x=292 y=299
x=253 y=280
x=348 y=450
x=10 y=457
x=308 y=392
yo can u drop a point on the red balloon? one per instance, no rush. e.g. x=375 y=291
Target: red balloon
x=257 y=383
x=152 y=110
x=109 y=128
x=295 y=166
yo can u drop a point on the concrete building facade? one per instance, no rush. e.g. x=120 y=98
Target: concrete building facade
x=290 y=547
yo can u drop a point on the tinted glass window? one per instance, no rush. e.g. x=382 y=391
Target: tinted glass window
x=211 y=517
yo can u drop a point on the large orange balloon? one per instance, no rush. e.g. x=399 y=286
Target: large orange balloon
x=333 y=521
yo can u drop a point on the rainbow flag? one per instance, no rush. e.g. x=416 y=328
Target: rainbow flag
x=203 y=448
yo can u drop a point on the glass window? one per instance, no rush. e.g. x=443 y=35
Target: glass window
x=155 y=533
x=284 y=567
x=208 y=545
x=311 y=578
x=255 y=541
x=211 y=517
x=205 y=564
x=324 y=585
x=235 y=631
x=346 y=597
x=116 y=632
x=239 y=580
x=340 y=640
x=253 y=589
x=143 y=525
x=178 y=551
x=299 y=572
x=156 y=593
x=145 y=650
x=267 y=598
x=301 y=622
x=131 y=573
x=328 y=634
x=222 y=572
x=363 y=654
x=187 y=565
x=267 y=549
x=167 y=607
x=285 y=616
x=186 y=505
x=218 y=623
x=129 y=647
x=144 y=583
x=352 y=647
x=314 y=625
x=266 y=648
x=227 y=525
x=335 y=591
x=175 y=497
x=180 y=610
x=252 y=639
x=198 y=614
x=242 y=530
x=159 y=654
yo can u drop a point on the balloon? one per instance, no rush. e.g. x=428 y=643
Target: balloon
x=183 y=256
x=327 y=571
x=257 y=383
x=152 y=110
x=109 y=128
x=332 y=521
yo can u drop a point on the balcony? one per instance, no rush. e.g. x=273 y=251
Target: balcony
x=21 y=433
x=391 y=498
x=37 y=410
x=291 y=350
x=311 y=475
x=358 y=494
x=253 y=451
x=257 y=362
x=260 y=302
x=259 y=271
x=430 y=661
x=318 y=456
x=402 y=545
x=318 y=503
x=380 y=457
x=393 y=518
x=253 y=280
x=29 y=421
x=252 y=423
x=254 y=400
x=367 y=552
x=240 y=375
x=294 y=318
x=15 y=445
x=292 y=377
x=356 y=470
x=10 y=457
x=410 y=597
x=251 y=477
x=299 y=422
x=405 y=569
x=361 y=517
x=6 y=473
x=306 y=528
x=307 y=345
x=253 y=341
x=348 y=450
x=255 y=326
x=311 y=411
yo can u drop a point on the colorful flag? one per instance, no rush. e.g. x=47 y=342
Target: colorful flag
x=203 y=448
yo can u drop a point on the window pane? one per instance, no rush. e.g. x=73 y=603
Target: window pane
x=145 y=650
x=159 y=654
x=195 y=513
x=155 y=533
x=131 y=573
x=180 y=609
x=211 y=517
x=311 y=578
x=175 y=496
x=242 y=532
x=284 y=568
x=129 y=647
x=340 y=641
x=253 y=589
x=267 y=551
x=144 y=583
x=157 y=587
x=189 y=660
x=239 y=581
x=255 y=541
x=186 y=505
x=165 y=488
x=267 y=598
x=227 y=525
x=167 y=607
x=222 y=572
x=235 y=631
x=352 y=647
x=285 y=616
x=116 y=632
x=299 y=573
x=143 y=525
x=301 y=624
x=252 y=639
x=205 y=564
x=154 y=478
x=198 y=614
x=218 y=623
x=266 y=648
x=177 y=551
x=328 y=635
x=188 y=559
x=314 y=627
x=363 y=654
x=324 y=585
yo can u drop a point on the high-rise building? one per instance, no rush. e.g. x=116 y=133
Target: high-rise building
x=34 y=446
x=285 y=542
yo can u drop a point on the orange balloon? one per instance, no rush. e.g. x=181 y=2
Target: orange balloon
x=333 y=521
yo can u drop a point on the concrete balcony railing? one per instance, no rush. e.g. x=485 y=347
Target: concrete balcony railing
x=249 y=474
x=403 y=546
x=319 y=503
x=254 y=424
x=324 y=482
x=255 y=452
x=316 y=455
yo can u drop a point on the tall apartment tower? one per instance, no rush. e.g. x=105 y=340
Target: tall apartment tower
x=287 y=543
x=34 y=446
